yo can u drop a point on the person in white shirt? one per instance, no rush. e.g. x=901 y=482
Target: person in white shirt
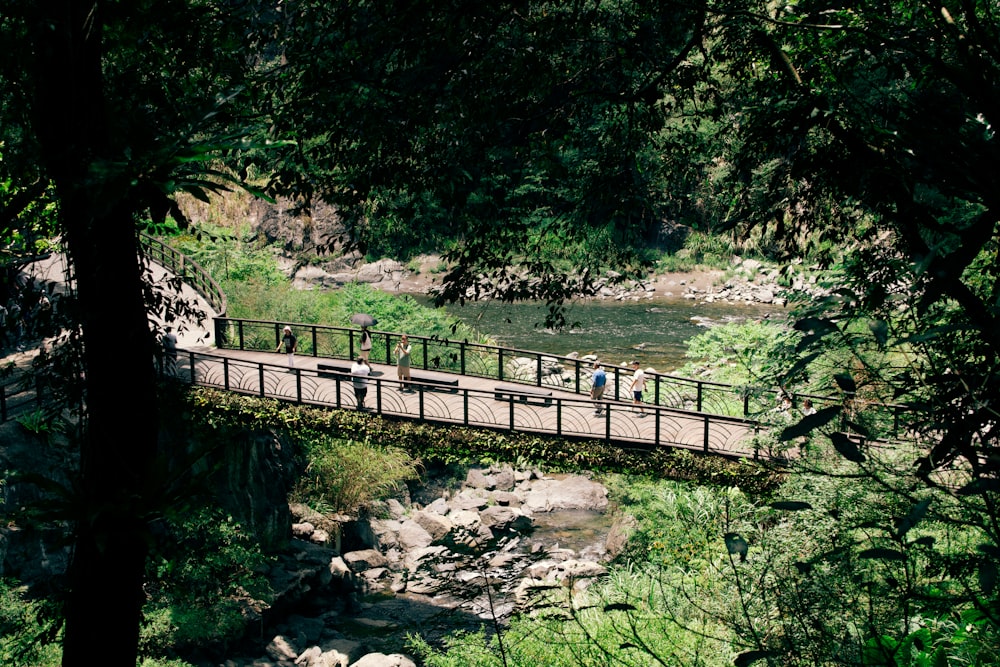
x=638 y=386
x=360 y=370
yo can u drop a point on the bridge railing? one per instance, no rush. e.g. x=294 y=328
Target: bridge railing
x=187 y=269
x=532 y=411
x=24 y=394
x=498 y=363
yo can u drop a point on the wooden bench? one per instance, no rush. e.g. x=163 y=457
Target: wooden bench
x=526 y=395
x=332 y=370
x=421 y=383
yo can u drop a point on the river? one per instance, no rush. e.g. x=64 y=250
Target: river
x=653 y=331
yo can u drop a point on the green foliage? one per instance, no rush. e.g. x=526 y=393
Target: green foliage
x=755 y=353
x=205 y=584
x=236 y=261
x=345 y=475
x=28 y=629
x=226 y=410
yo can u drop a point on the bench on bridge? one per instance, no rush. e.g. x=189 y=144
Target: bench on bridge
x=422 y=383
x=523 y=395
x=332 y=370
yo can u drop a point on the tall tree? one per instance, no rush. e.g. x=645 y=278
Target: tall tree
x=512 y=129
x=123 y=105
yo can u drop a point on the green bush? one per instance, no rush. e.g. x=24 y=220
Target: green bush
x=28 y=629
x=205 y=583
x=343 y=475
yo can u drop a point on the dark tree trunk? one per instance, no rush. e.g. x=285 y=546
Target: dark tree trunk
x=119 y=446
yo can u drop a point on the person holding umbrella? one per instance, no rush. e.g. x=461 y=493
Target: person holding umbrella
x=366 y=343
x=365 y=320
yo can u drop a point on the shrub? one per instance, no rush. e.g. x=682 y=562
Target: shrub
x=343 y=475
x=28 y=629
x=205 y=582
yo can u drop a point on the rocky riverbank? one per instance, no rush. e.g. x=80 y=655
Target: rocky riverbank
x=746 y=281
x=471 y=556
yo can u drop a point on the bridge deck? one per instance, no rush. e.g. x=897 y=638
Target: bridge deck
x=471 y=401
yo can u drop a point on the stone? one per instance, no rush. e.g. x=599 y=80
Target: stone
x=339 y=569
x=364 y=559
x=341 y=652
x=436 y=525
x=396 y=509
x=303 y=531
x=414 y=536
x=617 y=538
x=570 y=493
x=282 y=648
x=383 y=660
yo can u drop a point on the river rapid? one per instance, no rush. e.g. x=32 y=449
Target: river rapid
x=654 y=331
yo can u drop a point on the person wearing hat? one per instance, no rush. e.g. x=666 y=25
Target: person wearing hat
x=289 y=341
x=598 y=381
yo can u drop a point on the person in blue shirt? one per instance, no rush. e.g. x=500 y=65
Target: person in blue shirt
x=597 y=383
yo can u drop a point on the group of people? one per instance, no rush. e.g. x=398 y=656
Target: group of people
x=636 y=384
x=360 y=368
x=26 y=314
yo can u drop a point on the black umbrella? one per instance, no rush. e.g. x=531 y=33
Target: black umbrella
x=363 y=319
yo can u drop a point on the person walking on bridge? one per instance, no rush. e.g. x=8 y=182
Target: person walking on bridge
x=638 y=386
x=598 y=381
x=290 y=342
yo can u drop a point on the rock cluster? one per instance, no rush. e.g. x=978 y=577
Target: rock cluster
x=470 y=553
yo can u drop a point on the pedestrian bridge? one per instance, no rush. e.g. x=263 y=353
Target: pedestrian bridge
x=455 y=382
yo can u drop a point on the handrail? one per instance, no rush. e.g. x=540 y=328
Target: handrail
x=505 y=364
x=534 y=412
x=189 y=271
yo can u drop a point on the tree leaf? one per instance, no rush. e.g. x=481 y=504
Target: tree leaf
x=987 y=576
x=881 y=553
x=847 y=447
x=810 y=422
x=846 y=383
x=791 y=505
x=913 y=517
x=737 y=546
x=747 y=658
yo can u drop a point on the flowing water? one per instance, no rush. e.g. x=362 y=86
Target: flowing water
x=653 y=331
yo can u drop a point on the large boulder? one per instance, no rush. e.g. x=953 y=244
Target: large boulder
x=573 y=492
